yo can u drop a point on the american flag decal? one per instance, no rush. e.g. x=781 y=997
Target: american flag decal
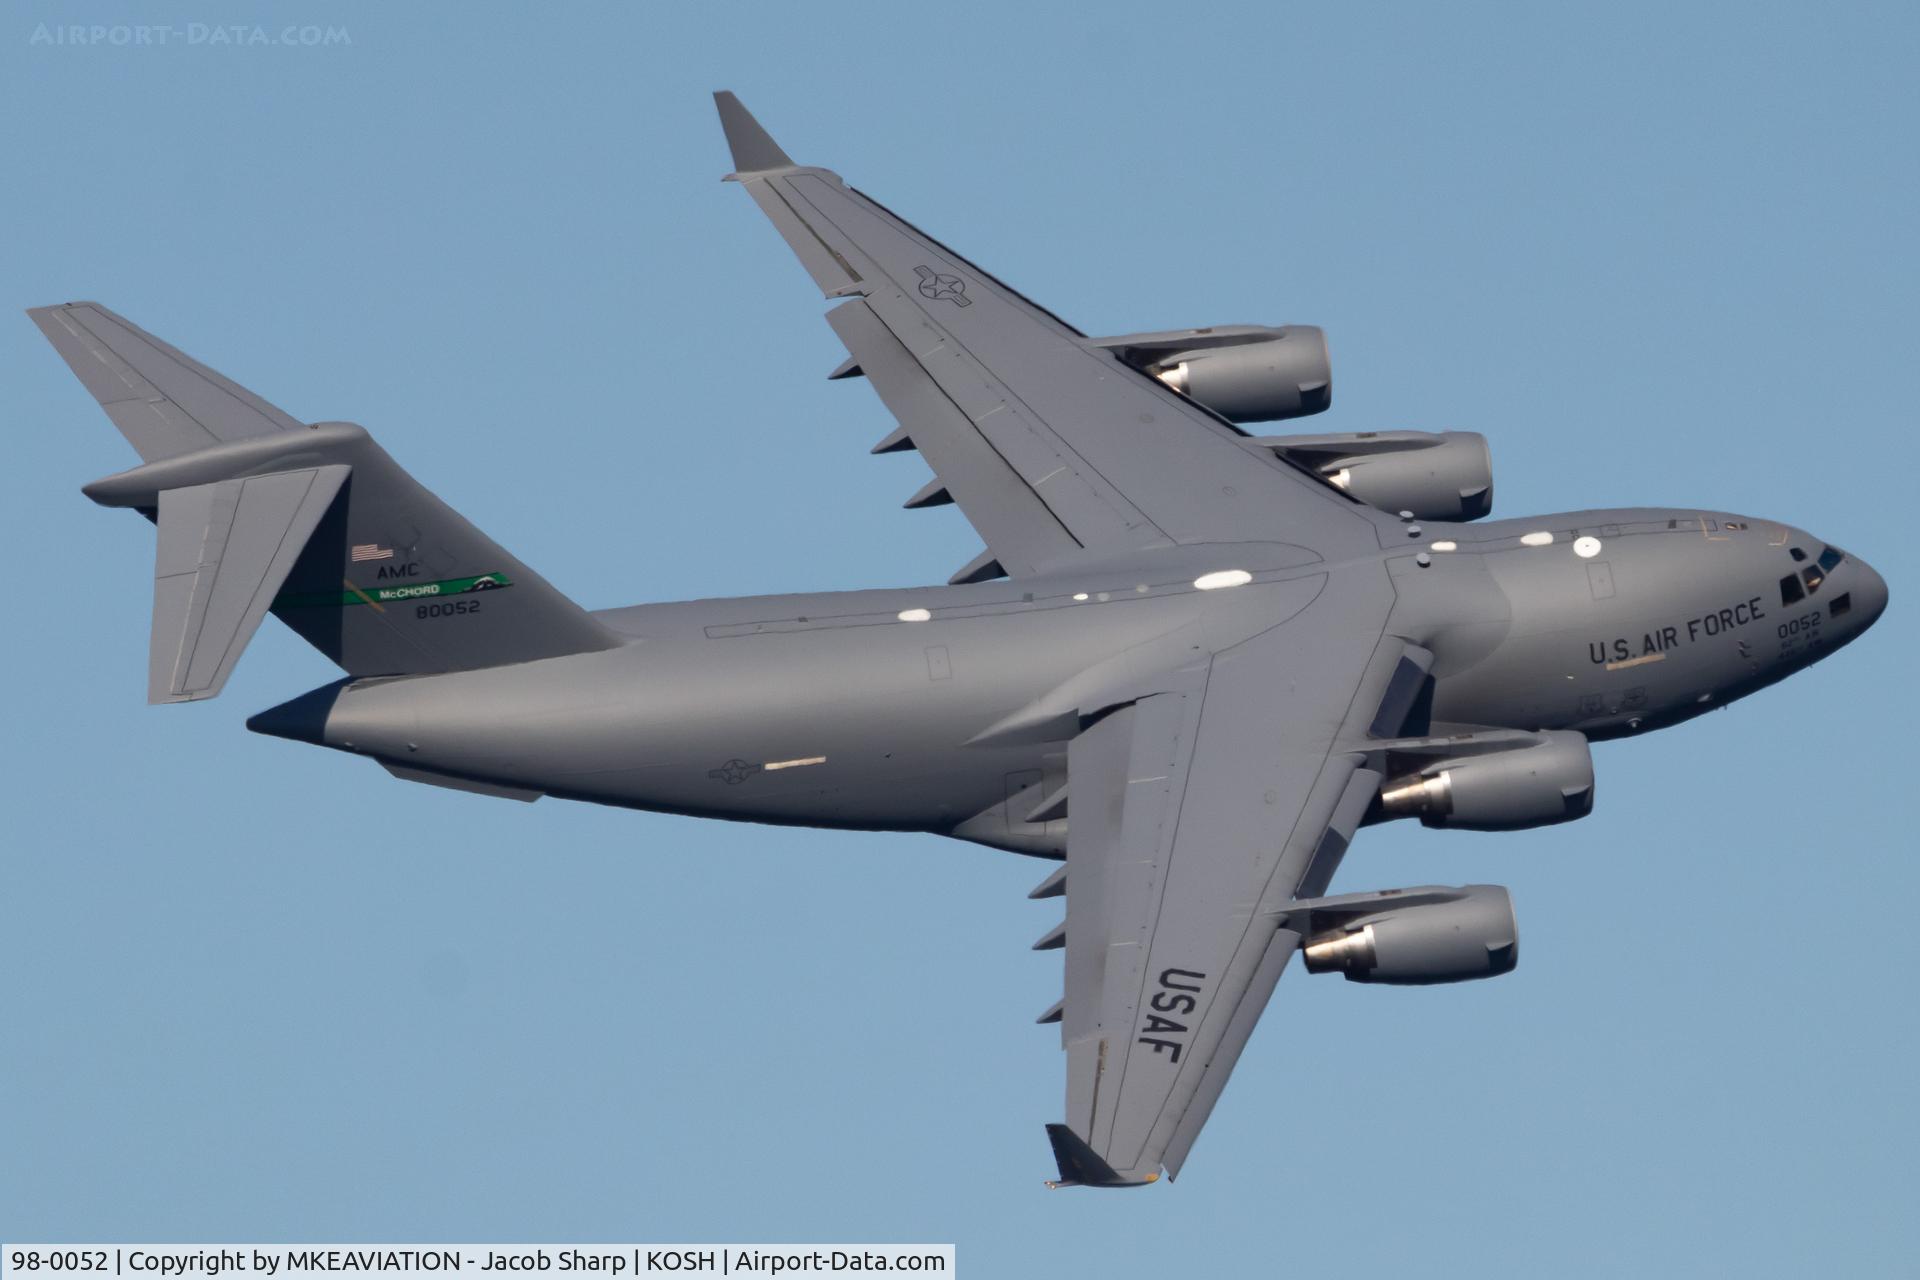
x=371 y=551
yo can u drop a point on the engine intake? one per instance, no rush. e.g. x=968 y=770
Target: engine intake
x=1243 y=372
x=1446 y=475
x=1501 y=781
x=1442 y=935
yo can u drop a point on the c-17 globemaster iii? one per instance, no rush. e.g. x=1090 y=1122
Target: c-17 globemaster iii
x=1189 y=665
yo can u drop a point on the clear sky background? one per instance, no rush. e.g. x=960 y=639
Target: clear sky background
x=250 y=990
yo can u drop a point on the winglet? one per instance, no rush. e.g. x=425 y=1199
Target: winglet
x=753 y=150
x=1081 y=1167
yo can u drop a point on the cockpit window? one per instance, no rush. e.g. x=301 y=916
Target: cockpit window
x=1790 y=592
x=1812 y=576
x=1831 y=557
x=1840 y=605
x=1796 y=553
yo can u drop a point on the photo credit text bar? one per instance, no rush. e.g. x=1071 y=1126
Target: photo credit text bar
x=477 y=1261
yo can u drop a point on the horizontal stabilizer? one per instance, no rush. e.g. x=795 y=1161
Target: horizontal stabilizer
x=255 y=514
x=224 y=550
x=165 y=402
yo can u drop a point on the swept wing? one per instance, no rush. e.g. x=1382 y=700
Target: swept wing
x=1048 y=443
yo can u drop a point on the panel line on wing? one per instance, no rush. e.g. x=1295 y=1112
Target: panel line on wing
x=1024 y=442
x=1332 y=785
x=1103 y=502
x=985 y=438
x=137 y=387
x=1018 y=526
x=854 y=276
x=1161 y=1112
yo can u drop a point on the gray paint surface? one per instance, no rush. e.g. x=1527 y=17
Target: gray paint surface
x=1199 y=757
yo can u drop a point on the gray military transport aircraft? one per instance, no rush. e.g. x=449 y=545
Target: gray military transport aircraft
x=1189 y=665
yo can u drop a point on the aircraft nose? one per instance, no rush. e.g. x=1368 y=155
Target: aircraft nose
x=1869 y=594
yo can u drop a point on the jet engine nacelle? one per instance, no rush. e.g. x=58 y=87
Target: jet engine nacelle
x=1505 y=780
x=1455 y=935
x=1446 y=475
x=1243 y=372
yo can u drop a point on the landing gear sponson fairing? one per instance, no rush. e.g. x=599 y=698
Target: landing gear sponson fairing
x=1189 y=664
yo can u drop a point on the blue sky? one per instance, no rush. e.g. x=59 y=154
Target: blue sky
x=249 y=990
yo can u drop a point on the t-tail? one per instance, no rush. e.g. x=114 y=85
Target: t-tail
x=256 y=511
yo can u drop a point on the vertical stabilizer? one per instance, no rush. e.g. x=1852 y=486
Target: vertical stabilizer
x=257 y=512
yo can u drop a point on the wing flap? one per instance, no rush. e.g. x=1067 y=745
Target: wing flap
x=1095 y=512
x=854 y=229
x=1117 y=851
x=1017 y=527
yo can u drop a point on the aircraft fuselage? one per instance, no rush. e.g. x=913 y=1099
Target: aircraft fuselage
x=947 y=708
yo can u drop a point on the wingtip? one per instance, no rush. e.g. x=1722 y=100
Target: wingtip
x=1080 y=1166
x=754 y=150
